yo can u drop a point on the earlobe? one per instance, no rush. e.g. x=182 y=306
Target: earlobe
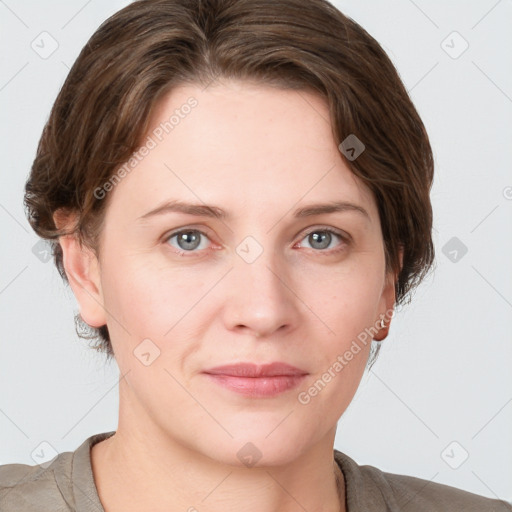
x=389 y=299
x=83 y=273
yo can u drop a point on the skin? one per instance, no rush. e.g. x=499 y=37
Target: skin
x=259 y=153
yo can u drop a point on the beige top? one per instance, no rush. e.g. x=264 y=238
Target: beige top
x=67 y=484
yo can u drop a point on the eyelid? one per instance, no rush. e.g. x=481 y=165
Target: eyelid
x=201 y=230
x=342 y=234
x=177 y=231
x=345 y=240
x=345 y=237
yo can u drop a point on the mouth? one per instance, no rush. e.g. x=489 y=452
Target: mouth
x=254 y=380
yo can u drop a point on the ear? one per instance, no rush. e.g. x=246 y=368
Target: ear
x=83 y=273
x=387 y=302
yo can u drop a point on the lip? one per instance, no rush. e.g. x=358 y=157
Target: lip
x=254 y=370
x=265 y=380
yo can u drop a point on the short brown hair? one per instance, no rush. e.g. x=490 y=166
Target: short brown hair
x=151 y=46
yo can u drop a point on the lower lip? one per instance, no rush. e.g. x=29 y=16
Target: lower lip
x=258 y=386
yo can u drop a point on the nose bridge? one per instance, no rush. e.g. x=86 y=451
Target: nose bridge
x=259 y=296
x=257 y=263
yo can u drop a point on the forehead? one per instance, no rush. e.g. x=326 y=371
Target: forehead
x=246 y=144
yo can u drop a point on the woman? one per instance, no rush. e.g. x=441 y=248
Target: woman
x=238 y=195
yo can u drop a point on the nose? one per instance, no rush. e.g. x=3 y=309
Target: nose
x=260 y=298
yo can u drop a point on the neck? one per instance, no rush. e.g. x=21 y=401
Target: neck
x=142 y=470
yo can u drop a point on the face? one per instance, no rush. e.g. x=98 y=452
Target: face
x=249 y=280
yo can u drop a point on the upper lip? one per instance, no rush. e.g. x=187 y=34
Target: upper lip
x=256 y=370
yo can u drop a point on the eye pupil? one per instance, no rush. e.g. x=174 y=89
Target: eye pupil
x=190 y=239
x=324 y=238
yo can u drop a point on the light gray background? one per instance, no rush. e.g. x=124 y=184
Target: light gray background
x=444 y=373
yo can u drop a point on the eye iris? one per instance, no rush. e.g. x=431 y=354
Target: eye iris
x=190 y=239
x=320 y=236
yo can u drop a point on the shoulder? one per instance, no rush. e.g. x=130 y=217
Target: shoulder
x=40 y=487
x=63 y=484
x=369 y=487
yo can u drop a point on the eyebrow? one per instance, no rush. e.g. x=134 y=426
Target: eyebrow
x=203 y=210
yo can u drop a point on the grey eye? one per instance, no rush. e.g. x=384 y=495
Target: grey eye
x=320 y=239
x=187 y=240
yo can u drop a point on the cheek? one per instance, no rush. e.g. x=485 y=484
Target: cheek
x=346 y=308
x=148 y=295
x=144 y=300
x=149 y=316
x=344 y=298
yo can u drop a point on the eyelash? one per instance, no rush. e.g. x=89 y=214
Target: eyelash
x=344 y=238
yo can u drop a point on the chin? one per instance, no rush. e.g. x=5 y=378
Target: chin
x=262 y=445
